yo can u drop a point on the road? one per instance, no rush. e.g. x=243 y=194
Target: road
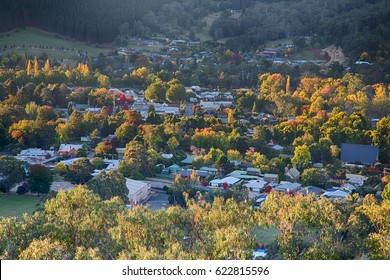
x=158 y=201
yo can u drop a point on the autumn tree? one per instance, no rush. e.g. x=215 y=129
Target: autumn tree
x=302 y=156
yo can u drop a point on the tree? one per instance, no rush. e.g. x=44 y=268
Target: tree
x=80 y=171
x=39 y=179
x=104 y=81
x=137 y=152
x=11 y=173
x=108 y=185
x=125 y=133
x=47 y=66
x=29 y=69
x=302 y=156
x=315 y=177
x=224 y=164
x=379 y=217
x=36 y=66
x=105 y=149
x=176 y=93
x=156 y=92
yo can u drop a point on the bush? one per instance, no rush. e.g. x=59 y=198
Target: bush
x=23 y=188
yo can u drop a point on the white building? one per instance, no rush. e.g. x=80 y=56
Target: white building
x=256 y=185
x=230 y=181
x=138 y=191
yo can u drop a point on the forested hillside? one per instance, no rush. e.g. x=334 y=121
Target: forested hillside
x=356 y=25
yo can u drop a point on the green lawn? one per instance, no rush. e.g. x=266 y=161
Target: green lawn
x=265 y=235
x=51 y=43
x=17 y=205
x=203 y=34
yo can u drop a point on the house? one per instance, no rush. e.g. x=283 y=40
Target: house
x=293 y=174
x=334 y=194
x=209 y=170
x=347 y=187
x=353 y=153
x=173 y=169
x=138 y=191
x=356 y=182
x=311 y=190
x=253 y=171
x=256 y=185
x=277 y=147
x=271 y=178
x=230 y=181
x=288 y=187
x=36 y=156
x=188 y=160
x=69 y=149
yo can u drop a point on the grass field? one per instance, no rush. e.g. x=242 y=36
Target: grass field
x=54 y=45
x=265 y=235
x=17 y=205
x=204 y=35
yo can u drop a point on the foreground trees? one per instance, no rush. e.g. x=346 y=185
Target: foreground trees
x=77 y=224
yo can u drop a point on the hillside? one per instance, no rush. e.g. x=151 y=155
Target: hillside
x=35 y=42
x=356 y=26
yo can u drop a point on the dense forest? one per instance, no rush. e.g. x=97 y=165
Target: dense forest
x=357 y=26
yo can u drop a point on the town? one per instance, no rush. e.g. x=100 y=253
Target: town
x=169 y=146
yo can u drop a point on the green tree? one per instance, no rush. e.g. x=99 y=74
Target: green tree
x=79 y=171
x=302 y=156
x=108 y=185
x=39 y=179
x=315 y=177
x=11 y=173
x=156 y=92
x=176 y=93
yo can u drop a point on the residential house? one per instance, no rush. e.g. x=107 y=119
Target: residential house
x=293 y=174
x=334 y=194
x=288 y=187
x=253 y=171
x=271 y=178
x=229 y=181
x=139 y=191
x=256 y=185
x=69 y=149
x=188 y=160
x=311 y=190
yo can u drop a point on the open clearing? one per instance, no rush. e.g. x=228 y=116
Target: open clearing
x=264 y=235
x=16 y=205
x=35 y=42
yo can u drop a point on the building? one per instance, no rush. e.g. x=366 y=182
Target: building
x=311 y=190
x=293 y=174
x=354 y=153
x=288 y=187
x=256 y=185
x=271 y=178
x=230 y=181
x=334 y=194
x=139 y=191
x=69 y=149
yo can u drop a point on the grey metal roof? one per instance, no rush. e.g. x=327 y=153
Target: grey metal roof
x=359 y=153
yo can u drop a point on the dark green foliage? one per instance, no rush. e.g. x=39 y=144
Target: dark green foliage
x=79 y=171
x=11 y=172
x=39 y=179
